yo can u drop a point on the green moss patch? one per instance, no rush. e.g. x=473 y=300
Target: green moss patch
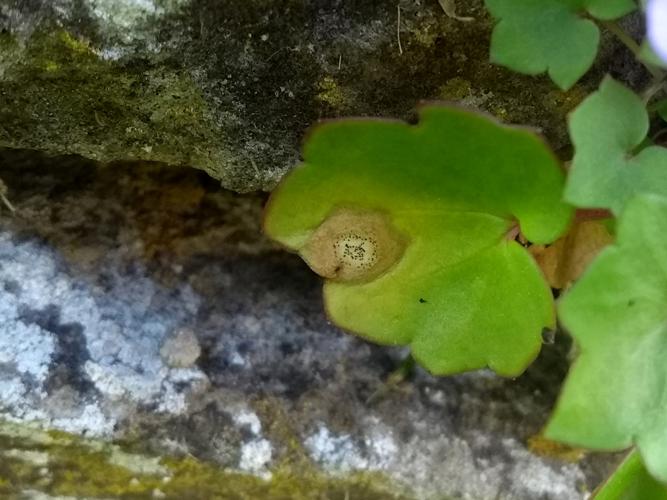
x=57 y=463
x=61 y=97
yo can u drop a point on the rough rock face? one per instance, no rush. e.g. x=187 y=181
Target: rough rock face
x=140 y=303
x=230 y=86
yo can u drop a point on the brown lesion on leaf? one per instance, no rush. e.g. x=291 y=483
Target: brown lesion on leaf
x=354 y=245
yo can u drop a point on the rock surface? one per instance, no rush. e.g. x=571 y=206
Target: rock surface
x=230 y=87
x=107 y=273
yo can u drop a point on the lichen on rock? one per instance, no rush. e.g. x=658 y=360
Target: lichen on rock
x=38 y=464
x=102 y=266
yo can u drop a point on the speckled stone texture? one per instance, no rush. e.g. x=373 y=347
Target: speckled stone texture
x=230 y=86
x=103 y=270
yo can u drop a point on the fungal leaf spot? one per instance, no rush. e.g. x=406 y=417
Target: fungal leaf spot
x=353 y=246
x=356 y=251
x=396 y=217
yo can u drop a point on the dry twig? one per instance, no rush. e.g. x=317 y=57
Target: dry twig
x=449 y=6
x=3 y=196
x=398 y=30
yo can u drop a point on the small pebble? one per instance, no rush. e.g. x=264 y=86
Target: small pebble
x=181 y=349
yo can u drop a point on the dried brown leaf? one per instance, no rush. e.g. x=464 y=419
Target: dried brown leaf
x=565 y=260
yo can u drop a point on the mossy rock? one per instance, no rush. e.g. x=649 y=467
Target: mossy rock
x=56 y=463
x=231 y=89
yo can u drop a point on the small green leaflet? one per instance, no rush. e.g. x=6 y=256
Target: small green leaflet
x=648 y=56
x=616 y=392
x=631 y=481
x=660 y=107
x=534 y=36
x=410 y=223
x=606 y=129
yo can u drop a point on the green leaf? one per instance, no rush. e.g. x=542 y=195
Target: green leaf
x=662 y=110
x=607 y=10
x=660 y=107
x=615 y=394
x=534 y=36
x=606 y=129
x=409 y=225
x=648 y=56
x=631 y=481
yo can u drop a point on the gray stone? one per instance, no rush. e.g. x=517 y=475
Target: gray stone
x=99 y=266
x=230 y=87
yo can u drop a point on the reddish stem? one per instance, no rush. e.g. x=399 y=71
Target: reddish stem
x=585 y=214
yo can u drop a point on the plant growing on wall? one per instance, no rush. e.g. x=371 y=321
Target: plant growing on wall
x=414 y=226
x=420 y=232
